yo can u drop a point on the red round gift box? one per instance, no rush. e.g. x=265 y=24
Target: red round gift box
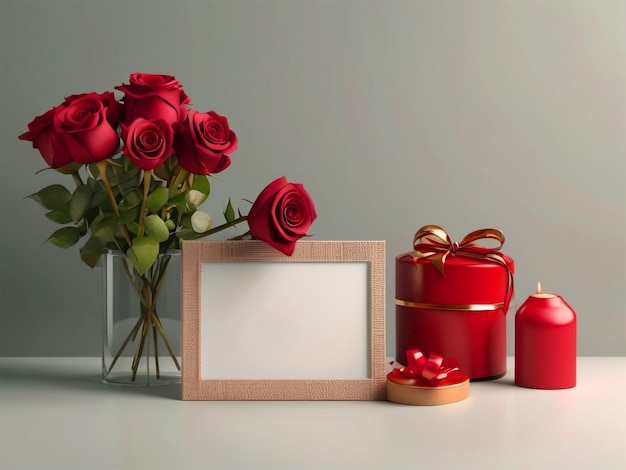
x=459 y=315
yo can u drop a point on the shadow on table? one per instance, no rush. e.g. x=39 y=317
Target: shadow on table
x=55 y=378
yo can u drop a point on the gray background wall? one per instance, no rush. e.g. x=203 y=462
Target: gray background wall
x=467 y=114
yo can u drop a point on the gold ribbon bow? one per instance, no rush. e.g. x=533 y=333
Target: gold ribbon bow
x=433 y=243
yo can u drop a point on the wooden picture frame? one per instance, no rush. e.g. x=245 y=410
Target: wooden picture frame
x=260 y=325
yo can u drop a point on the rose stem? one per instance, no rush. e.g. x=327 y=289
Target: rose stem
x=151 y=308
x=135 y=329
x=157 y=322
x=102 y=166
x=147 y=179
x=177 y=180
x=219 y=228
x=146 y=296
x=152 y=311
x=156 y=351
x=132 y=333
x=137 y=359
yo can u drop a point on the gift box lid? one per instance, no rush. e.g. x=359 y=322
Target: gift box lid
x=465 y=280
x=441 y=272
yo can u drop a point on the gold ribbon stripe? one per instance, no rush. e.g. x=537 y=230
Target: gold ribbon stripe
x=461 y=307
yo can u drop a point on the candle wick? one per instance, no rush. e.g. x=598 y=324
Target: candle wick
x=539 y=291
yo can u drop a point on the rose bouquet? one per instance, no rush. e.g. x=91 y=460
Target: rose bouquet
x=141 y=167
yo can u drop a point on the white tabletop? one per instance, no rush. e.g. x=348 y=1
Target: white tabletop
x=55 y=413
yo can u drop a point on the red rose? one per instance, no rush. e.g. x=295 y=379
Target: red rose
x=39 y=132
x=281 y=215
x=82 y=131
x=147 y=143
x=114 y=107
x=153 y=97
x=203 y=141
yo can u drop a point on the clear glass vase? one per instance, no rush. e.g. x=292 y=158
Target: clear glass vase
x=141 y=329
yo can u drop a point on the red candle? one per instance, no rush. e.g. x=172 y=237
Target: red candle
x=545 y=343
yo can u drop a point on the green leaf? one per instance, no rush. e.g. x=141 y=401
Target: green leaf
x=121 y=180
x=156 y=228
x=157 y=199
x=60 y=216
x=99 y=216
x=186 y=234
x=201 y=183
x=100 y=195
x=91 y=214
x=129 y=215
x=129 y=180
x=178 y=199
x=80 y=202
x=67 y=169
x=132 y=227
x=161 y=172
x=171 y=164
x=65 y=237
x=143 y=253
x=93 y=170
x=229 y=213
x=83 y=227
x=53 y=197
x=119 y=176
x=91 y=251
x=185 y=221
x=128 y=165
x=103 y=228
x=132 y=199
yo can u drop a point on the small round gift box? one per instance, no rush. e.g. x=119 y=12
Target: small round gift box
x=426 y=381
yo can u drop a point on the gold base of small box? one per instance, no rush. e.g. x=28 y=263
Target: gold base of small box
x=425 y=396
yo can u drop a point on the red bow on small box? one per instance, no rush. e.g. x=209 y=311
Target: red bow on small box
x=425 y=372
